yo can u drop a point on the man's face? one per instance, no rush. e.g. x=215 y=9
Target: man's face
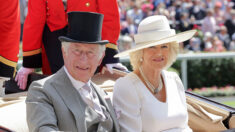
x=81 y=60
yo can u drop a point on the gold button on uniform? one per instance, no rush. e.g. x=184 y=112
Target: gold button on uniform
x=87 y=4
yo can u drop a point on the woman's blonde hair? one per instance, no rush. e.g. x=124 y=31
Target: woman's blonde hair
x=136 y=56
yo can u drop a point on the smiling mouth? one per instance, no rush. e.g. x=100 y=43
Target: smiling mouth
x=158 y=59
x=82 y=68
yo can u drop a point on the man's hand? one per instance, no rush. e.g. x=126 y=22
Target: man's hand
x=116 y=65
x=22 y=77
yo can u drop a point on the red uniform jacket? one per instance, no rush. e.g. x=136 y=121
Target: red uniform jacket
x=52 y=13
x=9 y=35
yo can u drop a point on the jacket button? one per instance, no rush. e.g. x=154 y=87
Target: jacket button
x=48 y=14
x=47 y=8
x=46 y=1
x=87 y=4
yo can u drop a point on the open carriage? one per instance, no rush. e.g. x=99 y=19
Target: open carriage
x=204 y=115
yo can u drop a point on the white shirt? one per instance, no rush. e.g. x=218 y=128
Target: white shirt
x=87 y=95
x=140 y=111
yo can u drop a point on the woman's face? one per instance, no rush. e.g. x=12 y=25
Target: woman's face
x=155 y=57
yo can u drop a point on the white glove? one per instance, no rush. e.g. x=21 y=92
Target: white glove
x=116 y=65
x=22 y=77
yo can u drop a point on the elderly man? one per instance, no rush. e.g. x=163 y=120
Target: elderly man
x=68 y=100
x=46 y=20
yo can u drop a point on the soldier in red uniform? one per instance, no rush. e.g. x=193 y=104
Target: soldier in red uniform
x=9 y=36
x=47 y=19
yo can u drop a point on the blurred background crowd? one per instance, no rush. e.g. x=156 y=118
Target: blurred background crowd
x=214 y=20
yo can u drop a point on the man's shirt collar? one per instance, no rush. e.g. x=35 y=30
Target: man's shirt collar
x=77 y=84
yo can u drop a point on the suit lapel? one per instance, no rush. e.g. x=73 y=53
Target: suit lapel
x=101 y=94
x=71 y=97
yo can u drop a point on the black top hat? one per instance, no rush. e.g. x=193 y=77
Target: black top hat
x=84 y=27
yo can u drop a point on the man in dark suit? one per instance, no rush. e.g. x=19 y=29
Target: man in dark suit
x=68 y=100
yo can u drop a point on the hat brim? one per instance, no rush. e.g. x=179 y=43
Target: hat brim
x=180 y=37
x=67 y=39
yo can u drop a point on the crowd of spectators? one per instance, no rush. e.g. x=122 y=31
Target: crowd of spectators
x=213 y=19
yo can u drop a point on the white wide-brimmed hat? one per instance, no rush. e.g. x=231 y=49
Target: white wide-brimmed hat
x=155 y=30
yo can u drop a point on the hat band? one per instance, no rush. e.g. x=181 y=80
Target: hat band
x=84 y=37
x=153 y=36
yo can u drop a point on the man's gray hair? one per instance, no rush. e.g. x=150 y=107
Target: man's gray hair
x=65 y=46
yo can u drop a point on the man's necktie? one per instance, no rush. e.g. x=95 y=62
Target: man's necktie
x=92 y=100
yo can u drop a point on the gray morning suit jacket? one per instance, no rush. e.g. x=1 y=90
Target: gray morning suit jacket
x=53 y=104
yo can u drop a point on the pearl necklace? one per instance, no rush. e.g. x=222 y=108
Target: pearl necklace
x=150 y=85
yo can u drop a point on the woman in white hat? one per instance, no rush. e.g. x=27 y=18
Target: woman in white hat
x=151 y=99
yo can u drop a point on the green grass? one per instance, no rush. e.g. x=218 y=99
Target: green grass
x=230 y=103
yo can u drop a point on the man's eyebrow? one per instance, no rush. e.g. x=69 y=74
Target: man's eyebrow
x=90 y=48
x=93 y=48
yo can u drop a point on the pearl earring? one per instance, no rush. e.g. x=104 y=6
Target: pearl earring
x=141 y=59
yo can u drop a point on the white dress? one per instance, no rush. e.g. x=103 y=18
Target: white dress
x=140 y=111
